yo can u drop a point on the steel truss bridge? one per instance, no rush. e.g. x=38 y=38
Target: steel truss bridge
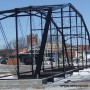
x=59 y=24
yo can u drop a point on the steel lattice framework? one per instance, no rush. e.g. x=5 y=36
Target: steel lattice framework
x=59 y=25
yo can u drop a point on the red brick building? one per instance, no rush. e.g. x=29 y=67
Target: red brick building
x=13 y=60
x=74 y=49
x=34 y=39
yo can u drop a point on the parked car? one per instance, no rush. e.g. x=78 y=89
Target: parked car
x=48 y=60
x=3 y=62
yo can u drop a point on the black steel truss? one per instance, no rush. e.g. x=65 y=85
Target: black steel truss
x=63 y=22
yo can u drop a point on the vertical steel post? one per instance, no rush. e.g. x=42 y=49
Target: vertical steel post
x=62 y=40
x=86 y=48
x=51 y=46
x=77 y=41
x=58 y=48
x=70 y=35
x=42 y=34
x=82 y=43
x=16 y=23
x=31 y=38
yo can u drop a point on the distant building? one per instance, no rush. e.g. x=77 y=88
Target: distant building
x=85 y=54
x=33 y=38
x=74 y=50
x=12 y=60
x=4 y=53
x=84 y=47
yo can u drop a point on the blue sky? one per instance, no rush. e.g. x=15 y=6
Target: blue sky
x=82 y=5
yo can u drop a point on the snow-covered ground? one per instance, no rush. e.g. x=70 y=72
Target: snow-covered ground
x=78 y=81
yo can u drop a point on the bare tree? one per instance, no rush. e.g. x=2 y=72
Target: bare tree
x=21 y=43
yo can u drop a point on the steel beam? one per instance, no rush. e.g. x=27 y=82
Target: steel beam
x=43 y=43
x=16 y=23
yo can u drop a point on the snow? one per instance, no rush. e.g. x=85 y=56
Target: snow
x=77 y=81
x=9 y=77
